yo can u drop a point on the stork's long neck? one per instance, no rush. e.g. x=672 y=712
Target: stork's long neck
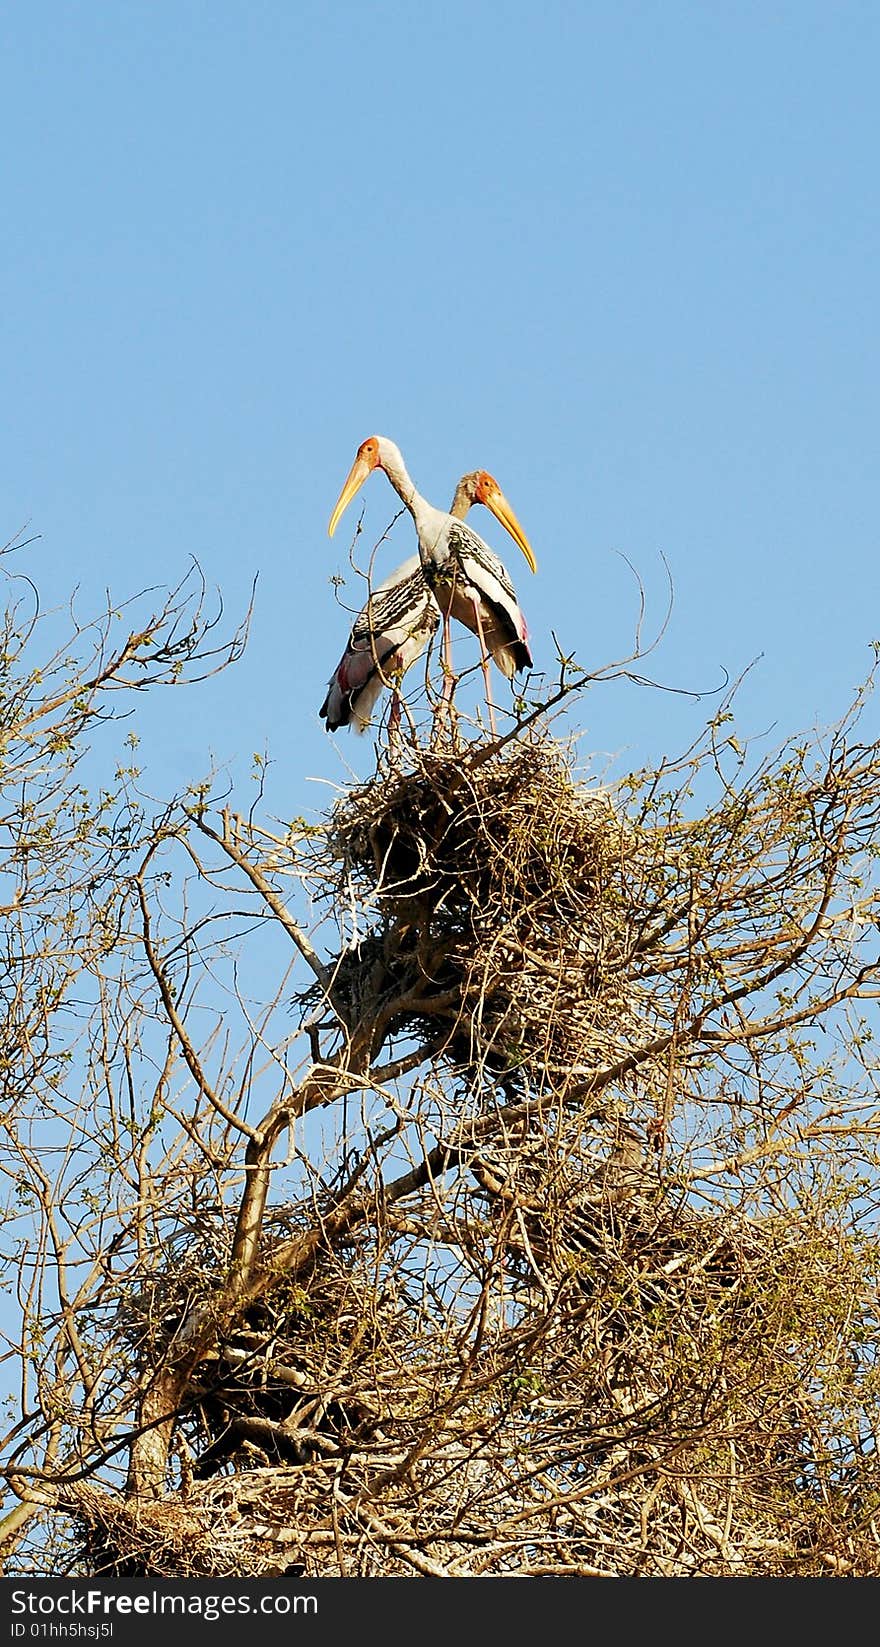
x=431 y=523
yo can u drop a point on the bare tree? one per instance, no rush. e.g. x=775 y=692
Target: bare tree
x=479 y=1179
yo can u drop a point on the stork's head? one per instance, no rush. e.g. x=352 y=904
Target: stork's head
x=375 y=453
x=481 y=487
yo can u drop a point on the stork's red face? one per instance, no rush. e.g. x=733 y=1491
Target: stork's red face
x=366 y=461
x=489 y=493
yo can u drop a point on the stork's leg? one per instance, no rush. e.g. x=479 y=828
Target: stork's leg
x=446 y=657
x=394 y=712
x=393 y=679
x=484 y=664
x=445 y=706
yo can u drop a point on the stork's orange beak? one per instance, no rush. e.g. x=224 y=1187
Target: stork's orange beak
x=497 y=502
x=360 y=469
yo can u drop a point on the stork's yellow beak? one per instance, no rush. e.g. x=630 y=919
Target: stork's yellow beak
x=502 y=511
x=358 y=473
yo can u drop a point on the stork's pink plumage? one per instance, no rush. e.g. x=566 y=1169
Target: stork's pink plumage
x=464 y=576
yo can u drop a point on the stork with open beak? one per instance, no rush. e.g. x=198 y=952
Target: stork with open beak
x=465 y=578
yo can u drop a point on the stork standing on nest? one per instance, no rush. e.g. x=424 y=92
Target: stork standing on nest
x=466 y=579
x=393 y=628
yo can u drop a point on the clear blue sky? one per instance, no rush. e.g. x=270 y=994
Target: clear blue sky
x=624 y=255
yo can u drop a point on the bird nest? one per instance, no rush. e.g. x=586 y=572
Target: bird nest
x=496 y=883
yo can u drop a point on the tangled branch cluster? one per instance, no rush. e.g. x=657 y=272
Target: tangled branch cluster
x=606 y=1382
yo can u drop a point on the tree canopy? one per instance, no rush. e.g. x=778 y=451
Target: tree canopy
x=481 y=1179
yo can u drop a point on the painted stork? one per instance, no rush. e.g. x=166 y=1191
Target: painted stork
x=394 y=627
x=386 y=637
x=464 y=576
